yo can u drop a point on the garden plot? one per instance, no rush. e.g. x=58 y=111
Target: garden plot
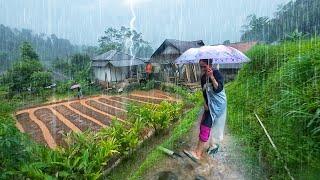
x=47 y=124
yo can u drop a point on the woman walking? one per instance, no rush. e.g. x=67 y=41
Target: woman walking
x=214 y=115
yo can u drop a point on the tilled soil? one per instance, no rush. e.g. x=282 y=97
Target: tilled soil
x=55 y=126
x=81 y=122
x=47 y=123
x=92 y=113
x=31 y=128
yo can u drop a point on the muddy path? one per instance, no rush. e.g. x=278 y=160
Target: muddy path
x=225 y=165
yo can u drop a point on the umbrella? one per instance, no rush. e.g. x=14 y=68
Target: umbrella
x=188 y=57
x=220 y=54
x=75 y=86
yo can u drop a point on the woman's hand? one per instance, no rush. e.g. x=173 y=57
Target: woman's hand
x=209 y=72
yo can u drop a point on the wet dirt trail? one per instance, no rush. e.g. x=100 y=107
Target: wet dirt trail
x=225 y=165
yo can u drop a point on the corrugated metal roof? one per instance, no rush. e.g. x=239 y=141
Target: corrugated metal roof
x=99 y=63
x=105 y=56
x=117 y=59
x=126 y=63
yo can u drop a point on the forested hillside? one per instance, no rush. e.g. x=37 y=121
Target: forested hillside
x=47 y=47
x=296 y=19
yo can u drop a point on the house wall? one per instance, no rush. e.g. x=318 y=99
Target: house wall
x=99 y=73
x=110 y=73
x=117 y=73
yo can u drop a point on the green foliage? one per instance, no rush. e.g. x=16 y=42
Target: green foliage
x=13 y=152
x=84 y=157
x=41 y=79
x=281 y=84
x=295 y=36
x=27 y=52
x=28 y=73
x=190 y=98
x=19 y=77
x=156 y=116
x=78 y=67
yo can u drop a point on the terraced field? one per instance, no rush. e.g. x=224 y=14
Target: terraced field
x=47 y=124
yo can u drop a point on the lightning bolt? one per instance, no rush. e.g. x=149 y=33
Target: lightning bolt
x=132 y=21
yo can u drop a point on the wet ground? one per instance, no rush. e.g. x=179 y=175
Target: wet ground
x=225 y=165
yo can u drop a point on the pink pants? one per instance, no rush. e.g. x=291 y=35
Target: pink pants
x=204 y=133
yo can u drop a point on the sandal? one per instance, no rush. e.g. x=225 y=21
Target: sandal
x=213 y=150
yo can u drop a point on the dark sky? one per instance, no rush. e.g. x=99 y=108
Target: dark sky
x=84 y=21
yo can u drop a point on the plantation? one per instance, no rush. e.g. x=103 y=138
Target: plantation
x=85 y=139
x=78 y=116
x=281 y=84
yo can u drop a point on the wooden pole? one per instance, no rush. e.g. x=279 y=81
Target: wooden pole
x=110 y=74
x=187 y=73
x=195 y=72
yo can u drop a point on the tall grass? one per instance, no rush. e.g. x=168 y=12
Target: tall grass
x=282 y=85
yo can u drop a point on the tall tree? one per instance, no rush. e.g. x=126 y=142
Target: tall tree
x=27 y=52
x=26 y=73
x=119 y=39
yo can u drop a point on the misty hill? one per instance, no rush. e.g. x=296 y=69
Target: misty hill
x=295 y=19
x=47 y=47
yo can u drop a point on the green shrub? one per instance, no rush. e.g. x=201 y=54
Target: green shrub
x=13 y=147
x=156 y=116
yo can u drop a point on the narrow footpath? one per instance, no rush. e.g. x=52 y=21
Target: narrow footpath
x=227 y=163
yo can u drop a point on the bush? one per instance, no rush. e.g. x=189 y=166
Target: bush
x=13 y=147
x=156 y=116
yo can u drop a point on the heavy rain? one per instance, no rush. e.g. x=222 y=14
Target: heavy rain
x=159 y=89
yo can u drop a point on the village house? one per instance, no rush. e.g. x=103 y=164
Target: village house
x=114 y=66
x=163 y=61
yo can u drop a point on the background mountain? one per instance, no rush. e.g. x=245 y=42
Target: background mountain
x=47 y=47
x=296 y=19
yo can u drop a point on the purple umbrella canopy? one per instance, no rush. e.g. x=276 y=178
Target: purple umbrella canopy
x=220 y=54
x=75 y=86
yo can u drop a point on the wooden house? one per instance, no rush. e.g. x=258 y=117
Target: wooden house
x=114 y=66
x=163 y=61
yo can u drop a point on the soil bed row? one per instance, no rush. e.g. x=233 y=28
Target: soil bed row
x=107 y=109
x=56 y=127
x=89 y=112
x=112 y=103
x=31 y=128
x=81 y=122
